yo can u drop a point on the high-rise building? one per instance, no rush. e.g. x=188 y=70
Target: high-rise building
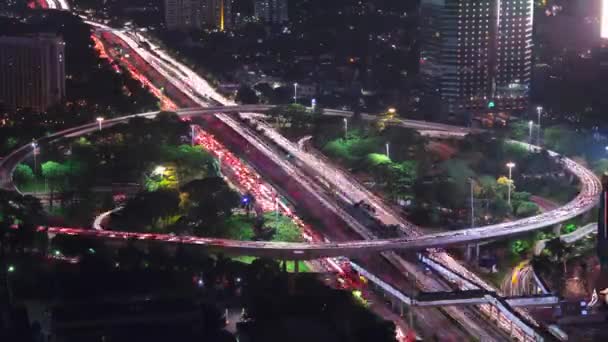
x=271 y=11
x=477 y=54
x=183 y=14
x=32 y=71
x=217 y=14
x=198 y=14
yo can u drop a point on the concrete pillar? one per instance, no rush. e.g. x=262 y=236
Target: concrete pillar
x=285 y=266
x=296 y=266
x=401 y=309
x=477 y=253
x=468 y=252
x=557 y=229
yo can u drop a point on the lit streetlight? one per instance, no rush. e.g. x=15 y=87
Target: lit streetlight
x=100 y=121
x=510 y=165
x=472 y=204
x=345 y=127
x=388 y=150
x=295 y=92
x=392 y=110
x=530 y=125
x=192 y=135
x=35 y=149
x=539 y=111
x=159 y=170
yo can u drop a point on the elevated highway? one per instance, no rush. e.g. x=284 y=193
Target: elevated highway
x=583 y=202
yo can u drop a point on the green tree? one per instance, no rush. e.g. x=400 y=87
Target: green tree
x=526 y=209
x=210 y=202
x=560 y=251
x=55 y=173
x=520 y=247
x=23 y=174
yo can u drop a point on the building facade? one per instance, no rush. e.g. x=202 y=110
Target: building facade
x=271 y=11
x=186 y=15
x=217 y=14
x=183 y=15
x=32 y=72
x=476 y=55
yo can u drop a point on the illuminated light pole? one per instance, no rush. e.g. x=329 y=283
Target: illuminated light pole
x=472 y=205
x=295 y=92
x=539 y=110
x=159 y=170
x=510 y=165
x=530 y=125
x=35 y=148
x=313 y=104
x=100 y=121
x=388 y=150
x=345 y=128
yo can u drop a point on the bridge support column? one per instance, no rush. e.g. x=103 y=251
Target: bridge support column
x=468 y=253
x=511 y=329
x=476 y=253
x=296 y=266
x=557 y=229
x=284 y=266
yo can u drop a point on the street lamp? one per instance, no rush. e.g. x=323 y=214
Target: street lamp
x=472 y=204
x=159 y=170
x=100 y=120
x=388 y=154
x=345 y=127
x=35 y=148
x=392 y=110
x=530 y=125
x=295 y=92
x=539 y=110
x=192 y=135
x=510 y=165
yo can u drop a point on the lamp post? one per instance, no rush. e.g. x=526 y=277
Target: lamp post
x=539 y=111
x=345 y=128
x=100 y=121
x=295 y=92
x=35 y=148
x=530 y=125
x=472 y=205
x=388 y=150
x=510 y=165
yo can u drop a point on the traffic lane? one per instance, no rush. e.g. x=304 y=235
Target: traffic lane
x=331 y=225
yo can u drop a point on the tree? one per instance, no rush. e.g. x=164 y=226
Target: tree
x=211 y=201
x=246 y=95
x=520 y=247
x=23 y=174
x=526 y=209
x=560 y=251
x=55 y=173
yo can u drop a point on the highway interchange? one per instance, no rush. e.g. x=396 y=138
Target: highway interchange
x=201 y=94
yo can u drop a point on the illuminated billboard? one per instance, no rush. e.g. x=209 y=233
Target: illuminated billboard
x=604 y=19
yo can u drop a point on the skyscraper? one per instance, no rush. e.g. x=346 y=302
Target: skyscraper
x=477 y=54
x=197 y=14
x=183 y=14
x=217 y=14
x=32 y=71
x=271 y=11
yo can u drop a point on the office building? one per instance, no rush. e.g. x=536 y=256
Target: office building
x=187 y=15
x=476 y=55
x=217 y=14
x=32 y=71
x=271 y=11
x=183 y=15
